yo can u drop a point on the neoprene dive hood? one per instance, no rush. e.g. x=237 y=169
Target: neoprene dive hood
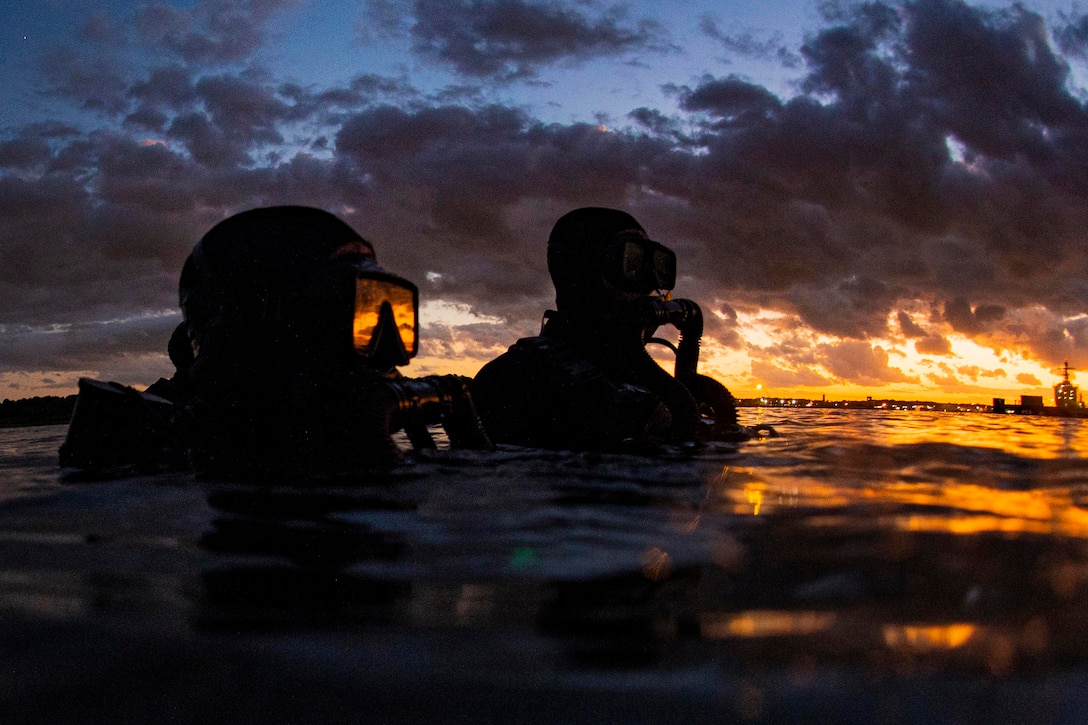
x=295 y=280
x=286 y=363
x=612 y=285
x=597 y=255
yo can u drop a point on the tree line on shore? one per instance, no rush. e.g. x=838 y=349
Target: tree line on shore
x=46 y=410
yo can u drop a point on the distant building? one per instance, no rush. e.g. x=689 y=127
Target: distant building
x=1065 y=393
x=1031 y=403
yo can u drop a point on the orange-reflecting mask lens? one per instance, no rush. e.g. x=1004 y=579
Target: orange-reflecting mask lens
x=379 y=297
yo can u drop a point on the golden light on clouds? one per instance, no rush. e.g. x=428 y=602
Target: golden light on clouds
x=446 y=345
x=780 y=357
x=774 y=354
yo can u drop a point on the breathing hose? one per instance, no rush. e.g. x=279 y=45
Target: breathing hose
x=714 y=399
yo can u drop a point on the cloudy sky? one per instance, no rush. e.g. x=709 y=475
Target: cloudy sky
x=886 y=199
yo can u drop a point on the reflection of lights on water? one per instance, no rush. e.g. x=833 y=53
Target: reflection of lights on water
x=971 y=524
x=752 y=496
x=474 y=603
x=765 y=623
x=1022 y=435
x=996 y=649
x=755 y=496
x=752 y=491
x=991 y=509
x=928 y=637
x=656 y=564
x=948 y=506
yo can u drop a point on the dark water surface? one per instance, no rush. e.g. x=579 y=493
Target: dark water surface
x=863 y=567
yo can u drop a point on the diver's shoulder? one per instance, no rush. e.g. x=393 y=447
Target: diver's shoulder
x=509 y=369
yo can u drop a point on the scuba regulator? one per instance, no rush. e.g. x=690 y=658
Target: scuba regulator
x=717 y=406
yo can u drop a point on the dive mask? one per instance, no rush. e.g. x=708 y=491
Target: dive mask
x=634 y=263
x=385 y=329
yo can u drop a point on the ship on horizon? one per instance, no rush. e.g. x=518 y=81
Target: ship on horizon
x=1066 y=394
x=1068 y=402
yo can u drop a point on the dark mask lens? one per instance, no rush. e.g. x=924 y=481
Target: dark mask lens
x=664 y=261
x=634 y=257
x=637 y=264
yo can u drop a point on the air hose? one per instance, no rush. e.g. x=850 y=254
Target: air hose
x=714 y=399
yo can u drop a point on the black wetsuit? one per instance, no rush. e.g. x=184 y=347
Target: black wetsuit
x=583 y=385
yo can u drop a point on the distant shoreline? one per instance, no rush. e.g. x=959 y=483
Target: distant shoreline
x=27 y=412
x=869 y=404
x=914 y=405
x=57 y=410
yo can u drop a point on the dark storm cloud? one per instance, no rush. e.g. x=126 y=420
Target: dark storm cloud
x=166 y=90
x=476 y=163
x=856 y=307
x=93 y=84
x=937 y=148
x=734 y=101
x=933 y=345
x=248 y=113
x=23 y=153
x=908 y=327
x=514 y=39
x=933 y=153
x=212 y=31
x=1000 y=96
x=750 y=43
x=1072 y=36
x=964 y=318
x=926 y=343
x=85 y=346
x=99 y=73
x=466 y=171
x=331 y=105
x=720 y=322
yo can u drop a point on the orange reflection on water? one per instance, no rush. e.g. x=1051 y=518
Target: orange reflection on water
x=1044 y=511
x=739 y=491
x=928 y=637
x=656 y=564
x=1022 y=435
x=754 y=492
x=968 y=497
x=972 y=524
x=948 y=505
x=764 y=623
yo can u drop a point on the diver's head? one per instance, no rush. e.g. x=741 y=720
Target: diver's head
x=599 y=259
x=296 y=285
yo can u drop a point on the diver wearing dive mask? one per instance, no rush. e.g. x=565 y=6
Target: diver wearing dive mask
x=295 y=334
x=587 y=382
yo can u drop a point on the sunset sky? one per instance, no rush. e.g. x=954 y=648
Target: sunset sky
x=875 y=199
